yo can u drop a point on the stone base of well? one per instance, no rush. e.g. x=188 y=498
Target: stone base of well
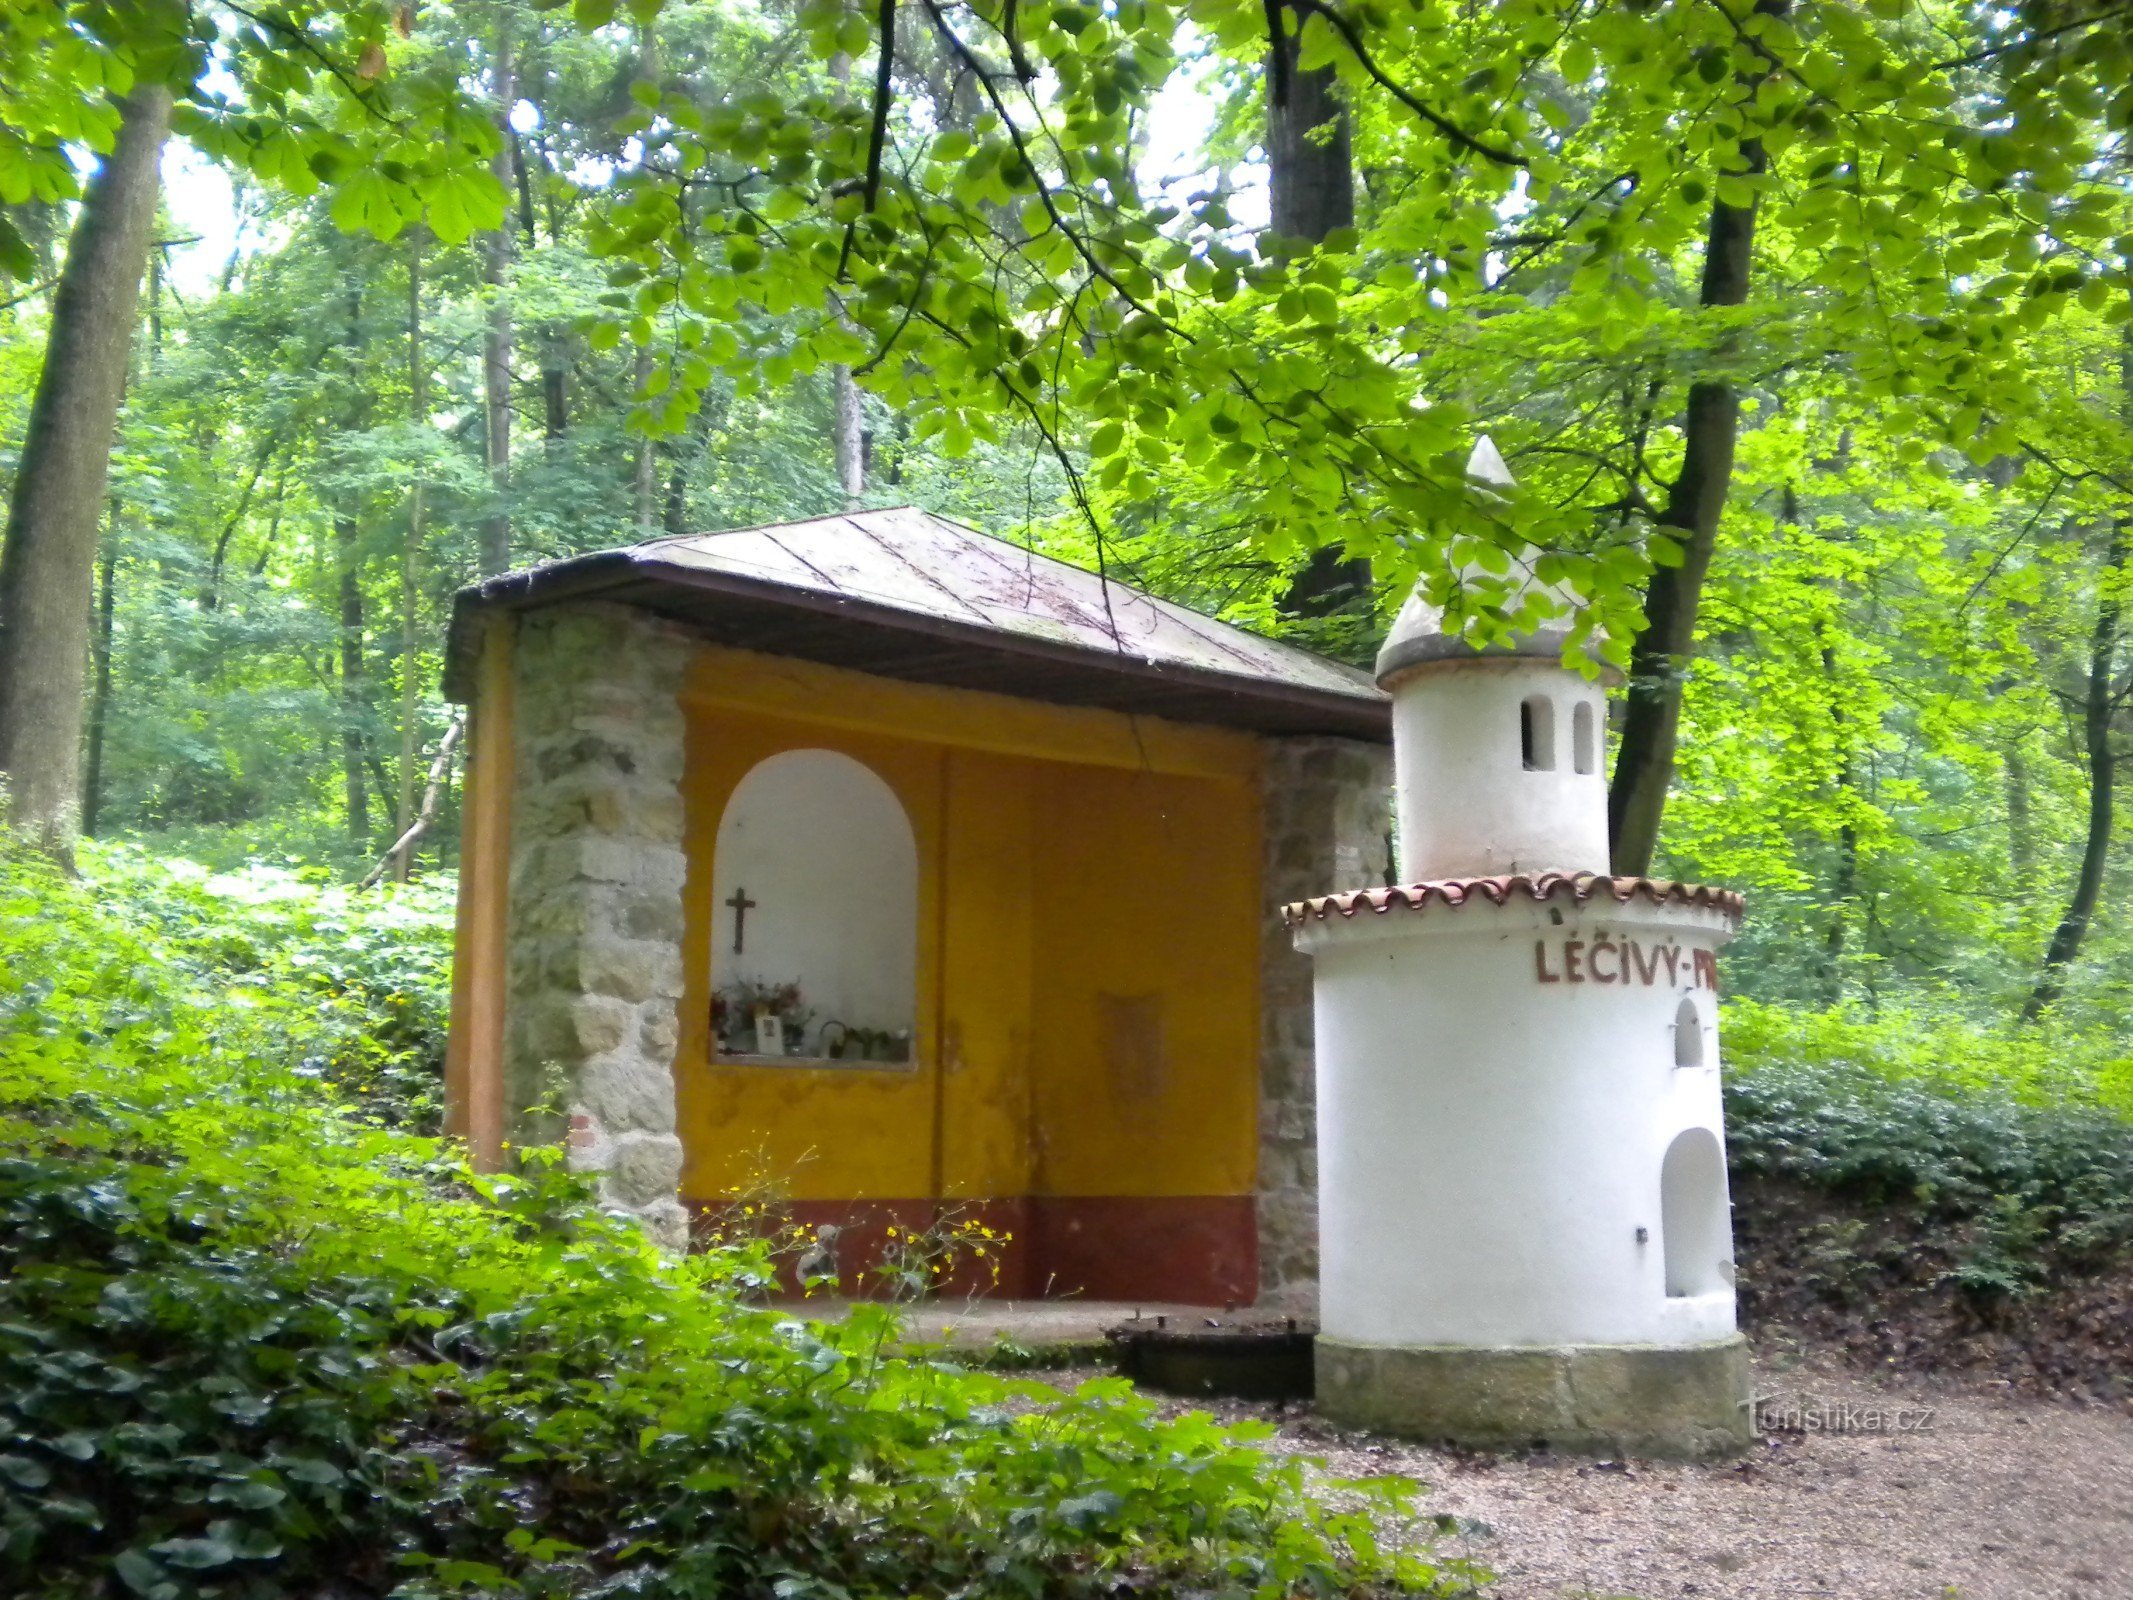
x=1678 y=1401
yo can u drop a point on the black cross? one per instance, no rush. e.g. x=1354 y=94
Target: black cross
x=742 y=905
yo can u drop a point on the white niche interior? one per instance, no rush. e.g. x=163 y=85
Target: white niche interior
x=814 y=913
x=1695 y=1225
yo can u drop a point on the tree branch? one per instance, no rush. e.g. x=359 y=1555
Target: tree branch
x=405 y=844
x=302 y=40
x=1044 y=192
x=31 y=293
x=2028 y=41
x=1277 y=58
x=1017 y=57
x=1351 y=37
x=878 y=136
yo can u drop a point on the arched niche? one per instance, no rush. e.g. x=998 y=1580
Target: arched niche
x=1584 y=739
x=1536 y=733
x=1695 y=1231
x=1688 y=1034
x=814 y=911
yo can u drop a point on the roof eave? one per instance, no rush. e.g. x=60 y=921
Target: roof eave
x=1363 y=715
x=575 y=578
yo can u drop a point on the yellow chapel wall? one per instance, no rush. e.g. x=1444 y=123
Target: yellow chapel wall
x=1146 y=1008
x=1089 y=920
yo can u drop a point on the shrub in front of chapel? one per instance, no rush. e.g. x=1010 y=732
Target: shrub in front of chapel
x=255 y=1343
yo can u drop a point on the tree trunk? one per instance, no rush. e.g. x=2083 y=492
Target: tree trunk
x=1844 y=881
x=553 y=337
x=2098 y=703
x=1310 y=166
x=1311 y=192
x=495 y=554
x=647 y=473
x=555 y=377
x=348 y=580
x=674 y=521
x=92 y=787
x=1844 y=886
x=345 y=540
x=418 y=410
x=847 y=414
x=850 y=430
x=211 y=592
x=396 y=859
x=2021 y=854
x=155 y=294
x=47 y=571
x=1659 y=660
x=685 y=452
x=892 y=472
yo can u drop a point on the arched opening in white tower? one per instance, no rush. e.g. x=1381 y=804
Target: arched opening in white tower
x=1536 y=733
x=1688 y=1035
x=1584 y=752
x=1693 y=1227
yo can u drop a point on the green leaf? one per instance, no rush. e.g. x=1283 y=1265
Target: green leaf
x=367 y=202
x=23 y=1472
x=463 y=204
x=195 y=1555
x=143 y=1576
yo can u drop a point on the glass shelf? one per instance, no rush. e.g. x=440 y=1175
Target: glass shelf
x=742 y=1058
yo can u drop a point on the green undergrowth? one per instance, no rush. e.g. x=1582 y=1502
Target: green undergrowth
x=257 y=1339
x=349 y=989
x=2050 y=1065
x=2007 y=1155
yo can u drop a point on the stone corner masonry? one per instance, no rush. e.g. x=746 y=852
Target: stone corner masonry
x=1326 y=806
x=593 y=975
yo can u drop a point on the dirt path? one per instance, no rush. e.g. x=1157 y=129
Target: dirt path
x=1986 y=1496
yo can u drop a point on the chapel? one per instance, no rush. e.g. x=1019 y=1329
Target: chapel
x=909 y=873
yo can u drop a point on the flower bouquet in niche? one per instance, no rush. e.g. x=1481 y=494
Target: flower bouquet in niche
x=760 y=1019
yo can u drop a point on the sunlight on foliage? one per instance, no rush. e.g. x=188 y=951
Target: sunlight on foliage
x=2010 y=1151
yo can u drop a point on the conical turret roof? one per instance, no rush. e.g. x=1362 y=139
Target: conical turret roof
x=1419 y=636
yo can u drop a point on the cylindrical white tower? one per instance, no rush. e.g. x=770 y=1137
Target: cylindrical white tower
x=1524 y=1227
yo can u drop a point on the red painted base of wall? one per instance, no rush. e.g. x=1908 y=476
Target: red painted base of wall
x=1192 y=1250
x=1201 y=1251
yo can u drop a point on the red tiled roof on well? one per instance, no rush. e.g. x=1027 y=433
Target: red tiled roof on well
x=1453 y=893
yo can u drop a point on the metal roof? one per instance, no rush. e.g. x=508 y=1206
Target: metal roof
x=908 y=594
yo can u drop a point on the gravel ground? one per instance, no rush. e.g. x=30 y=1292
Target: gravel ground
x=1985 y=1496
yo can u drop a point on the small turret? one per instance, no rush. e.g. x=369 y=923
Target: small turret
x=1498 y=753
x=1524 y=1231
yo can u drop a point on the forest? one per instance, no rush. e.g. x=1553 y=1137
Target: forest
x=1804 y=326
x=1804 y=335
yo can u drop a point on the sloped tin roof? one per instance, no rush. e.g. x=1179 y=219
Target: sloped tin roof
x=906 y=593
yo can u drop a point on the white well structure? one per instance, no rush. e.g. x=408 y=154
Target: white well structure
x=1524 y=1228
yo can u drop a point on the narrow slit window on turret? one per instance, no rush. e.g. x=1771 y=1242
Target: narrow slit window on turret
x=1688 y=1036
x=1583 y=756
x=1536 y=733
